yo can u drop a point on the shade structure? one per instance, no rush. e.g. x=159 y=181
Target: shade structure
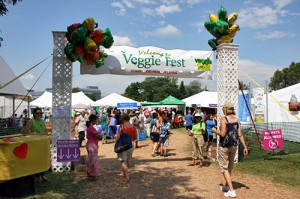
x=112 y=100
x=170 y=100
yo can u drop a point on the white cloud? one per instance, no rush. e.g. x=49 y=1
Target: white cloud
x=120 y=41
x=260 y=72
x=164 y=9
x=282 y=3
x=259 y=17
x=273 y=35
x=128 y=3
x=147 y=11
x=198 y=25
x=168 y=30
x=192 y=2
x=27 y=77
x=121 y=9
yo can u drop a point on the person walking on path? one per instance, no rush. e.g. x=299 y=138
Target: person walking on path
x=198 y=130
x=189 y=120
x=164 y=137
x=92 y=163
x=230 y=132
x=137 y=124
x=125 y=156
x=80 y=122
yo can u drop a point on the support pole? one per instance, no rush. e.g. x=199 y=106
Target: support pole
x=61 y=100
x=227 y=80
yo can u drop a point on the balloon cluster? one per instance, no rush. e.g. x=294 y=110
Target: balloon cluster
x=222 y=27
x=84 y=42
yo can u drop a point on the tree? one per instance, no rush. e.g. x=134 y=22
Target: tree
x=182 y=91
x=76 y=90
x=152 y=89
x=194 y=87
x=4 y=10
x=287 y=77
x=244 y=86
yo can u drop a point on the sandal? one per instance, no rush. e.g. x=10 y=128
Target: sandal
x=191 y=164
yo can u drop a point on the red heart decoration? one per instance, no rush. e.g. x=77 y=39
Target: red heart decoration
x=21 y=151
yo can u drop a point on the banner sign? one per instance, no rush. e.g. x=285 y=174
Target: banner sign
x=244 y=115
x=259 y=112
x=68 y=151
x=153 y=61
x=272 y=139
x=127 y=105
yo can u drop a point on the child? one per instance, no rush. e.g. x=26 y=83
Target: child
x=164 y=137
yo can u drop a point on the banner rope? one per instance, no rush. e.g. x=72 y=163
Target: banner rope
x=1 y=87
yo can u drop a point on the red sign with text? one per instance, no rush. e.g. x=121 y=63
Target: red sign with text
x=272 y=139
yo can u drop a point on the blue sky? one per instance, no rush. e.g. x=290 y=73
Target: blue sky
x=268 y=36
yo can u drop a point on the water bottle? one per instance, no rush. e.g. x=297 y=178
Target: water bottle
x=293 y=98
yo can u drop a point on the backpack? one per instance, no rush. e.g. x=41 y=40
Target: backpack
x=232 y=134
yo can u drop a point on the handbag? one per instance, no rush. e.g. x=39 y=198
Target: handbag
x=123 y=144
x=154 y=129
x=107 y=120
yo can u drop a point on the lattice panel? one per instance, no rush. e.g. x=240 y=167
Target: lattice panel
x=227 y=78
x=61 y=99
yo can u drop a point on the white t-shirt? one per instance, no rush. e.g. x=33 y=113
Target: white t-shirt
x=81 y=121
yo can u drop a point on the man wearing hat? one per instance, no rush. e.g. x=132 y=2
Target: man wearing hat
x=136 y=122
x=230 y=132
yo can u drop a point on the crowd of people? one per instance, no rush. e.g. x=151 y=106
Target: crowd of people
x=93 y=126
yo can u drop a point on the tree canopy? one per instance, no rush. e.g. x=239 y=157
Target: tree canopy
x=286 y=77
x=4 y=10
x=154 y=89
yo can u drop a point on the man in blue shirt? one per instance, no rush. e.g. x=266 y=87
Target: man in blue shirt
x=189 y=120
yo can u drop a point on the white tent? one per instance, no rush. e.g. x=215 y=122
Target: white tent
x=203 y=99
x=6 y=75
x=112 y=100
x=45 y=100
x=81 y=98
x=279 y=113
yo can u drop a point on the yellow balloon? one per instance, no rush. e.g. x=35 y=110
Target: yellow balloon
x=213 y=17
x=233 y=29
x=224 y=39
x=232 y=18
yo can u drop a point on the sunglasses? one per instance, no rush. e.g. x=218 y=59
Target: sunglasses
x=38 y=113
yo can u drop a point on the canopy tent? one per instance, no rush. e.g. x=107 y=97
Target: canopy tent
x=112 y=100
x=207 y=99
x=80 y=106
x=170 y=100
x=45 y=100
x=81 y=98
x=6 y=75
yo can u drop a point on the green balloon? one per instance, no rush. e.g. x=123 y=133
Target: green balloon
x=222 y=14
x=211 y=28
x=222 y=27
x=213 y=44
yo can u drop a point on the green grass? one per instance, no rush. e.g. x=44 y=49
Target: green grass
x=283 y=169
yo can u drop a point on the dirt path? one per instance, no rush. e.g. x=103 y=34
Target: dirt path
x=170 y=177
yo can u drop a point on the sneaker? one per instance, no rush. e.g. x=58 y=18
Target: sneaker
x=224 y=188
x=230 y=194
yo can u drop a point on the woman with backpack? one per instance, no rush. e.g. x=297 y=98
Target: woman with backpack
x=230 y=132
x=198 y=130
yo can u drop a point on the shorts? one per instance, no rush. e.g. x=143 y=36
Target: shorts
x=125 y=155
x=226 y=158
x=188 y=127
x=164 y=141
x=154 y=137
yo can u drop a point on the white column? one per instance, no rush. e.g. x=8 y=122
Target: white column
x=227 y=79
x=61 y=99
